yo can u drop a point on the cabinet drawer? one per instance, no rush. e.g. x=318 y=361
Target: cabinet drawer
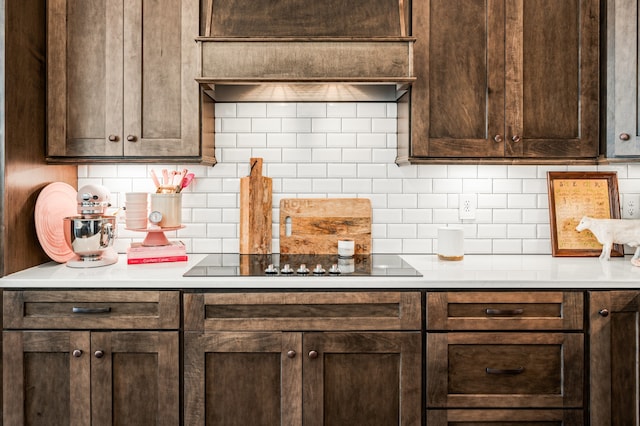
x=502 y=417
x=505 y=311
x=91 y=309
x=302 y=311
x=510 y=370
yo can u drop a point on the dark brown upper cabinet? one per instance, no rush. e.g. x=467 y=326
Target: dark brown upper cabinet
x=505 y=81
x=120 y=81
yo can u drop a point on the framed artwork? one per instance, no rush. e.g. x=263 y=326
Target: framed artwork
x=573 y=195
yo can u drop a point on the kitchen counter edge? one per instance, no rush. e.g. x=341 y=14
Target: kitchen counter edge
x=473 y=272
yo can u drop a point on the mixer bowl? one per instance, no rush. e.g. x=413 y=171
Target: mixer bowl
x=89 y=237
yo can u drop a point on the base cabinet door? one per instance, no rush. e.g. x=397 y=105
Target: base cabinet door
x=274 y=378
x=614 y=320
x=242 y=378
x=85 y=378
x=361 y=379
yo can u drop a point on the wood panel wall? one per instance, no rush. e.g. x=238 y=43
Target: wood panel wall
x=23 y=132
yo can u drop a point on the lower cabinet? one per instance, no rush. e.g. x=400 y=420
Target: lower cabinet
x=91 y=378
x=498 y=358
x=287 y=373
x=614 y=318
x=91 y=358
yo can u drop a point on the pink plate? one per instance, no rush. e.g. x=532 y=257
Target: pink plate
x=55 y=202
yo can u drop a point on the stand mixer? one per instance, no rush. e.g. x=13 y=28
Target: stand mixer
x=90 y=235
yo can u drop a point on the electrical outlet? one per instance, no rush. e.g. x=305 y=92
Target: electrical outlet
x=631 y=206
x=467 y=206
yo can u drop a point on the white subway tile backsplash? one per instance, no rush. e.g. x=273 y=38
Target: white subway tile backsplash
x=515 y=231
x=492 y=231
x=404 y=201
x=357 y=125
x=402 y=230
x=387 y=186
x=384 y=125
x=226 y=110
x=271 y=125
x=251 y=140
x=492 y=201
x=236 y=125
x=296 y=125
x=357 y=185
x=341 y=140
x=251 y=109
x=377 y=171
x=419 y=216
x=278 y=109
x=327 y=125
x=371 y=140
x=356 y=155
x=507 y=186
x=341 y=109
x=326 y=155
x=521 y=201
x=370 y=109
x=349 y=150
x=341 y=170
x=447 y=186
x=477 y=186
x=311 y=109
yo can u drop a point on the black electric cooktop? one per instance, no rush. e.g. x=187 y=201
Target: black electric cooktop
x=301 y=265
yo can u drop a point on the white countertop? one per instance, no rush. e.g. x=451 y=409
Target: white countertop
x=473 y=272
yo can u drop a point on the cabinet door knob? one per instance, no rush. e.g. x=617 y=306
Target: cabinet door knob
x=77 y=353
x=498 y=138
x=604 y=312
x=516 y=138
x=113 y=138
x=99 y=354
x=131 y=138
x=291 y=354
x=313 y=354
x=625 y=136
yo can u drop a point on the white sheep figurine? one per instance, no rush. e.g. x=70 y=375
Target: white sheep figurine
x=610 y=231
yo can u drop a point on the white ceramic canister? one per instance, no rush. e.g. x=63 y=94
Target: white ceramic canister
x=451 y=243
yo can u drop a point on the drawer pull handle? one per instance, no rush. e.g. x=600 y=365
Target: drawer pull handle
x=77 y=310
x=504 y=312
x=507 y=371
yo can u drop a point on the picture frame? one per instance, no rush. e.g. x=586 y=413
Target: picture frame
x=573 y=195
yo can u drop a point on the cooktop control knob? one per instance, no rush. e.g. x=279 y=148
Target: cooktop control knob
x=286 y=269
x=334 y=269
x=303 y=270
x=271 y=270
x=319 y=270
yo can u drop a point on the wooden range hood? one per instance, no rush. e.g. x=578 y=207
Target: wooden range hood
x=296 y=50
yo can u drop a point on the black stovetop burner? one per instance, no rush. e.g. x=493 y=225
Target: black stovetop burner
x=301 y=265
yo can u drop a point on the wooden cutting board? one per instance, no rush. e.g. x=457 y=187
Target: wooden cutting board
x=314 y=225
x=255 y=211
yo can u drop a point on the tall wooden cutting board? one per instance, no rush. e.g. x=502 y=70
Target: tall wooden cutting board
x=314 y=225
x=255 y=211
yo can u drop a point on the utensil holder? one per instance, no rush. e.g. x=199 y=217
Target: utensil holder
x=170 y=207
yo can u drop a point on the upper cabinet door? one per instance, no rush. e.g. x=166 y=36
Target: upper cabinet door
x=84 y=78
x=121 y=79
x=458 y=98
x=505 y=79
x=551 y=100
x=623 y=135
